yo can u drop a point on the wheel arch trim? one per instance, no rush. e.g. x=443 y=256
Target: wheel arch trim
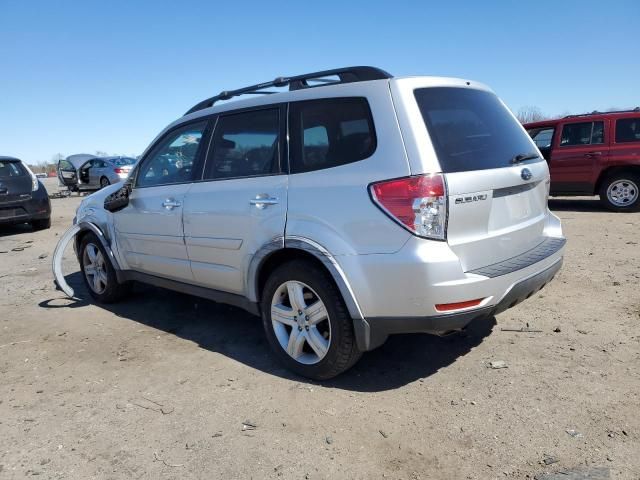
x=313 y=248
x=92 y=227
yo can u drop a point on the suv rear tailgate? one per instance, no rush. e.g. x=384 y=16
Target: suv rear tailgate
x=497 y=181
x=495 y=214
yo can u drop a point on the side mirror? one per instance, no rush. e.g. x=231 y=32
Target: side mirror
x=118 y=199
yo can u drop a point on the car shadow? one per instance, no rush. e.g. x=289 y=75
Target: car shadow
x=576 y=205
x=239 y=335
x=8 y=230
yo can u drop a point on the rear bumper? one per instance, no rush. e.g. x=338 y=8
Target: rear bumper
x=374 y=331
x=37 y=208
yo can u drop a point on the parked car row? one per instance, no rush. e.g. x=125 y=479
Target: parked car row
x=355 y=206
x=593 y=154
x=23 y=198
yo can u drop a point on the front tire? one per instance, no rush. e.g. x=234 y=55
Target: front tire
x=97 y=272
x=306 y=321
x=621 y=192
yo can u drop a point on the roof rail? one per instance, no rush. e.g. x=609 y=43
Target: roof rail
x=298 y=82
x=596 y=112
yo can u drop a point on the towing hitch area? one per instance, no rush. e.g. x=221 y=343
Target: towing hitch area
x=58 y=253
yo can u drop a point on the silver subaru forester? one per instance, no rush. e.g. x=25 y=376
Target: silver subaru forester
x=353 y=206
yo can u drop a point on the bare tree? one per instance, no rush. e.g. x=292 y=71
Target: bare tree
x=530 y=114
x=100 y=153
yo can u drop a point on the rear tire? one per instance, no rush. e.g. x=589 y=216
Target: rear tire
x=97 y=272
x=41 y=224
x=319 y=334
x=104 y=182
x=621 y=192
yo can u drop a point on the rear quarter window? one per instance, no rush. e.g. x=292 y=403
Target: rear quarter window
x=330 y=132
x=628 y=130
x=471 y=129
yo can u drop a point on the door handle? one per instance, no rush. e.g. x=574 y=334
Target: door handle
x=593 y=154
x=263 y=200
x=171 y=203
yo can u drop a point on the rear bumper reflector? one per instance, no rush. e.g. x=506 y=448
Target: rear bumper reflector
x=449 y=307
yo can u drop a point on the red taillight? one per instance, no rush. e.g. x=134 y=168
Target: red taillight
x=119 y=170
x=419 y=203
x=447 y=307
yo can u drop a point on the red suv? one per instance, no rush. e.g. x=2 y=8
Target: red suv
x=593 y=154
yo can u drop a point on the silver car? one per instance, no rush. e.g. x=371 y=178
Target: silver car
x=87 y=172
x=353 y=206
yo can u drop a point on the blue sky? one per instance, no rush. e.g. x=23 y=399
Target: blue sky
x=81 y=76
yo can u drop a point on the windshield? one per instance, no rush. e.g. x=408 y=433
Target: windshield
x=471 y=129
x=10 y=169
x=122 y=162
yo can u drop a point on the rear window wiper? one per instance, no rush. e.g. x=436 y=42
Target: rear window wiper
x=523 y=156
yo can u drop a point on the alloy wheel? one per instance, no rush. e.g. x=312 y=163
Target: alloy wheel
x=95 y=268
x=301 y=322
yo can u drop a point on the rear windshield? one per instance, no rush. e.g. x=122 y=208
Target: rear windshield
x=471 y=129
x=122 y=162
x=11 y=169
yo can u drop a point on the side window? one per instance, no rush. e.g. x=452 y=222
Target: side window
x=172 y=160
x=542 y=137
x=245 y=145
x=65 y=165
x=583 y=133
x=597 y=134
x=628 y=130
x=330 y=132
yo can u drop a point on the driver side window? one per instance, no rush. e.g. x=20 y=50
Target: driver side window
x=173 y=158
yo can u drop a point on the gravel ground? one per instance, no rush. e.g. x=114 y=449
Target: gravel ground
x=166 y=385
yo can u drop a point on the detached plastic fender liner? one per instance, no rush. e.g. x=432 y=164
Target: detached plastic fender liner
x=58 y=253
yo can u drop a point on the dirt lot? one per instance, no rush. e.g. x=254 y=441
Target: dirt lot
x=159 y=386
